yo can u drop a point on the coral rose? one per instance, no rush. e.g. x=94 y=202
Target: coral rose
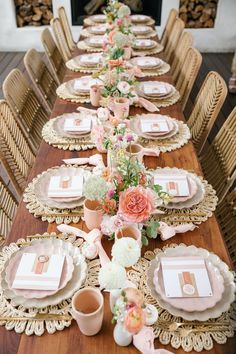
x=136 y=204
x=135 y=319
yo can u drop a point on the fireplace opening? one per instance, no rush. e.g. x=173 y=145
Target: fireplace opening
x=81 y=9
x=198 y=14
x=33 y=12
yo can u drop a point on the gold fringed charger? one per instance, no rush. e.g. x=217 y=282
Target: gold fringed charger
x=36 y=201
x=65 y=94
x=51 y=318
x=73 y=66
x=52 y=137
x=199 y=339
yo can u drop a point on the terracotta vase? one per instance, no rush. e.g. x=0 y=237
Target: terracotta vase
x=120 y=107
x=127 y=53
x=92 y=214
x=129 y=231
x=95 y=95
x=88 y=309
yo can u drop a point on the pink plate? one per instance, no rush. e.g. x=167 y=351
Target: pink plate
x=193 y=304
x=11 y=269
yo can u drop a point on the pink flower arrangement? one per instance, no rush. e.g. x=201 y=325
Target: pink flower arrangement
x=136 y=204
x=134 y=319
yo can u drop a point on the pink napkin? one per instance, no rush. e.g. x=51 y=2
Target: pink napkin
x=93 y=238
x=149 y=106
x=144 y=341
x=167 y=231
x=150 y=152
x=95 y=160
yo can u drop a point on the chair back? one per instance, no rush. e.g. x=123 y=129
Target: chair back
x=8 y=206
x=66 y=27
x=42 y=79
x=16 y=155
x=54 y=56
x=188 y=73
x=185 y=42
x=60 y=39
x=206 y=108
x=173 y=14
x=30 y=114
x=173 y=40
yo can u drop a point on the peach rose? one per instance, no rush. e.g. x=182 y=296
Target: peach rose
x=136 y=204
x=135 y=319
x=115 y=62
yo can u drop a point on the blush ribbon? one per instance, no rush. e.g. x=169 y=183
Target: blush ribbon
x=167 y=231
x=149 y=106
x=144 y=342
x=95 y=160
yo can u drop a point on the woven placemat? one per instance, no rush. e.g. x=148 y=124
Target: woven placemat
x=65 y=94
x=139 y=53
x=38 y=327
x=53 y=138
x=170 y=144
x=83 y=46
x=73 y=66
x=198 y=340
x=151 y=34
x=46 y=213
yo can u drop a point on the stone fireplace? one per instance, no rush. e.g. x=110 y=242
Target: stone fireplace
x=82 y=8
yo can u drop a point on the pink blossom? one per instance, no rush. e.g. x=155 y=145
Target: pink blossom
x=129 y=138
x=110 y=193
x=124 y=87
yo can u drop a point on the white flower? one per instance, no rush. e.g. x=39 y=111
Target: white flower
x=95 y=188
x=112 y=276
x=120 y=39
x=124 y=87
x=103 y=113
x=110 y=224
x=126 y=251
x=123 y=11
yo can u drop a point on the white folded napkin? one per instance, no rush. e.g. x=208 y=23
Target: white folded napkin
x=143 y=42
x=96 y=40
x=155 y=88
x=90 y=58
x=84 y=83
x=147 y=61
x=75 y=124
x=175 y=185
x=154 y=125
x=65 y=186
x=139 y=29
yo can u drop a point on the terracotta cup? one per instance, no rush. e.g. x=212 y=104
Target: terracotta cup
x=92 y=214
x=95 y=95
x=127 y=53
x=129 y=231
x=87 y=310
x=121 y=107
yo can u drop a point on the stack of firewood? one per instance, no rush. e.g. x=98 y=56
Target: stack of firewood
x=198 y=13
x=33 y=12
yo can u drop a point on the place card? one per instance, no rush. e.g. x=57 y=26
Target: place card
x=185 y=277
x=74 y=124
x=154 y=125
x=65 y=186
x=39 y=271
x=156 y=88
x=175 y=185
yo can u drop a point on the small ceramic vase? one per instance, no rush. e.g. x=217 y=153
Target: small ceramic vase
x=136 y=151
x=92 y=214
x=151 y=314
x=88 y=309
x=127 y=53
x=111 y=160
x=95 y=95
x=121 y=336
x=120 y=107
x=129 y=231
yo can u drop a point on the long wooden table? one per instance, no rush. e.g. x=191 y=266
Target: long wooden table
x=70 y=340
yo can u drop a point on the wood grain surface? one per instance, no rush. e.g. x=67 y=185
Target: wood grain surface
x=70 y=340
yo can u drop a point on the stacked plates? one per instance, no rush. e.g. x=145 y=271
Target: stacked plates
x=155 y=90
x=88 y=61
x=98 y=29
x=147 y=63
x=137 y=124
x=195 y=187
x=140 y=30
x=42 y=184
x=100 y=18
x=59 y=123
x=144 y=44
x=202 y=308
x=94 y=42
x=73 y=274
x=81 y=86
x=140 y=18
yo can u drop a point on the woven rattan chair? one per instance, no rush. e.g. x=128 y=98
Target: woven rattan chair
x=30 y=114
x=206 y=108
x=66 y=27
x=60 y=39
x=226 y=215
x=54 y=56
x=173 y=40
x=42 y=79
x=8 y=206
x=188 y=74
x=219 y=161
x=185 y=42
x=173 y=14
x=15 y=153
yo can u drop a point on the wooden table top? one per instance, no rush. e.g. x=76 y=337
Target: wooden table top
x=70 y=340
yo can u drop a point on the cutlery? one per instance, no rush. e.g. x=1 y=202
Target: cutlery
x=173 y=326
x=38 y=317
x=185 y=332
